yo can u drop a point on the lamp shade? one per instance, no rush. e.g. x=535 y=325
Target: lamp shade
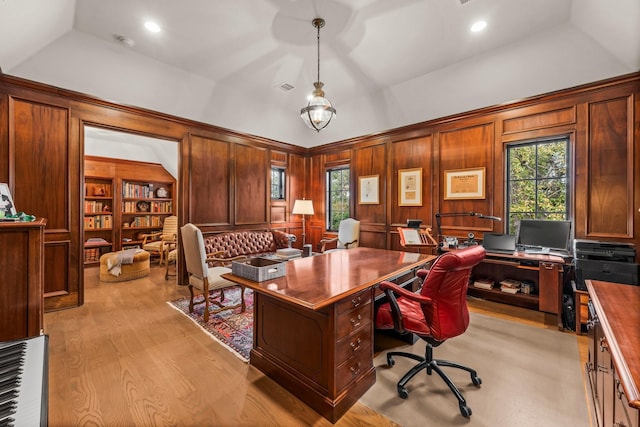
x=302 y=207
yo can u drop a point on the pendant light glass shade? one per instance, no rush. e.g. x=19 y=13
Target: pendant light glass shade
x=319 y=111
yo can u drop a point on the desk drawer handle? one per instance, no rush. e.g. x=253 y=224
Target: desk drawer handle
x=355 y=346
x=356 y=302
x=356 y=322
x=355 y=369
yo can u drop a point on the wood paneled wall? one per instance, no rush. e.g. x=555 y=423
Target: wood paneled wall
x=224 y=175
x=602 y=121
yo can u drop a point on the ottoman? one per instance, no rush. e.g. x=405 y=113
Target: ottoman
x=139 y=268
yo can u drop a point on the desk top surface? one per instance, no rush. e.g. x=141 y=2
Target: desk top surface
x=318 y=281
x=617 y=308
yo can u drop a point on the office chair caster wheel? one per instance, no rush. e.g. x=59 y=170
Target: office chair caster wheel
x=402 y=392
x=476 y=380
x=465 y=411
x=390 y=361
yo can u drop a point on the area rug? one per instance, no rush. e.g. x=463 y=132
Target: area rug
x=530 y=377
x=232 y=328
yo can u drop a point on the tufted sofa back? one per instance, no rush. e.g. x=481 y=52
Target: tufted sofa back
x=247 y=243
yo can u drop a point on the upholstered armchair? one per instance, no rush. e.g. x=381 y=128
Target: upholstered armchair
x=161 y=242
x=436 y=313
x=348 y=236
x=203 y=278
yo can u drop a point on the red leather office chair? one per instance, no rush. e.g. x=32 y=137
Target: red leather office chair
x=435 y=313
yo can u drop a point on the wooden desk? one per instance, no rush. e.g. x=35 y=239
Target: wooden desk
x=544 y=271
x=614 y=353
x=313 y=328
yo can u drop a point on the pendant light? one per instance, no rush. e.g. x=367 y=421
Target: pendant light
x=319 y=111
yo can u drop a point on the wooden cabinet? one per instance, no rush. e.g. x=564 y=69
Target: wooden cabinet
x=613 y=366
x=98 y=218
x=22 y=283
x=129 y=199
x=544 y=272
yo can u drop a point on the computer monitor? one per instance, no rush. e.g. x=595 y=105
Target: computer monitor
x=554 y=235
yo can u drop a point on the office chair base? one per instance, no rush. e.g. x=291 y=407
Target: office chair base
x=430 y=364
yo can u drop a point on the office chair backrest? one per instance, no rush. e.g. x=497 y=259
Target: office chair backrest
x=446 y=284
x=194 y=253
x=348 y=231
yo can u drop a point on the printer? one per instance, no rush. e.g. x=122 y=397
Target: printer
x=607 y=261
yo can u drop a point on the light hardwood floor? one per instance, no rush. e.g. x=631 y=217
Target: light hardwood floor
x=125 y=358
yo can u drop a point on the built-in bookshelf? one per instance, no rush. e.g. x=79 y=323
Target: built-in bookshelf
x=98 y=217
x=136 y=199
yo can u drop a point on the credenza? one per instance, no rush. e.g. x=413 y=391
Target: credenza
x=613 y=366
x=313 y=328
x=22 y=279
x=545 y=272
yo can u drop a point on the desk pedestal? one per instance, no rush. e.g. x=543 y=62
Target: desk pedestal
x=324 y=357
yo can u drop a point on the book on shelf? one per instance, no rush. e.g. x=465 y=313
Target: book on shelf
x=509 y=289
x=483 y=283
x=510 y=283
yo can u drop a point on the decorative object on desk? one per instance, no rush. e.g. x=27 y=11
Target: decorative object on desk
x=368 y=190
x=7 y=208
x=231 y=328
x=162 y=193
x=259 y=269
x=303 y=207
x=464 y=184
x=289 y=253
x=525 y=368
x=143 y=206
x=410 y=237
x=410 y=187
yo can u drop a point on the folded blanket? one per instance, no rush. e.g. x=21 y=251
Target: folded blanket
x=115 y=261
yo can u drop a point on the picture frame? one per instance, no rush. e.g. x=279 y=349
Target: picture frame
x=463 y=184
x=369 y=190
x=7 y=207
x=410 y=187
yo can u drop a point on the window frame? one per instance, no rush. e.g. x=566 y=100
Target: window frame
x=328 y=194
x=569 y=181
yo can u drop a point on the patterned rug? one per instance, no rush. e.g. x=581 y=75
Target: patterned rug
x=232 y=328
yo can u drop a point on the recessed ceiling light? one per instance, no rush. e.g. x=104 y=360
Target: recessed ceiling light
x=152 y=26
x=478 y=26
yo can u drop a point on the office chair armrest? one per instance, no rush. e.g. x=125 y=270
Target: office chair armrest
x=391 y=289
x=423 y=273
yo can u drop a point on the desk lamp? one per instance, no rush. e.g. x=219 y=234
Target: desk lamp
x=303 y=207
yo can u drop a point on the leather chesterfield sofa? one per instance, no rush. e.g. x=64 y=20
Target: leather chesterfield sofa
x=223 y=248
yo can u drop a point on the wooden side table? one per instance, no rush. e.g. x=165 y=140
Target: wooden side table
x=580 y=302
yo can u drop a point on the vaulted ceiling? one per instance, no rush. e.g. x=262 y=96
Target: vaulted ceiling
x=385 y=64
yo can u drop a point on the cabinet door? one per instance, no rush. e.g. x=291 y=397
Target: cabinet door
x=550 y=287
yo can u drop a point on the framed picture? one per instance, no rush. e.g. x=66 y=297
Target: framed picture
x=369 y=190
x=464 y=184
x=6 y=201
x=410 y=187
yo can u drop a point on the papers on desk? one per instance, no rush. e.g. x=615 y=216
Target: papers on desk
x=410 y=236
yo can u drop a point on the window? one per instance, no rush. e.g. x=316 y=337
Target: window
x=537 y=184
x=277 y=184
x=337 y=196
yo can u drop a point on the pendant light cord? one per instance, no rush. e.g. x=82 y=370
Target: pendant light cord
x=318 y=27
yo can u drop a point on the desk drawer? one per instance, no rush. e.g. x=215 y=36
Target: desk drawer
x=352 y=369
x=354 y=301
x=352 y=321
x=354 y=345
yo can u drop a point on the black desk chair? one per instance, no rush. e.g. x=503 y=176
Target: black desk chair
x=435 y=313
